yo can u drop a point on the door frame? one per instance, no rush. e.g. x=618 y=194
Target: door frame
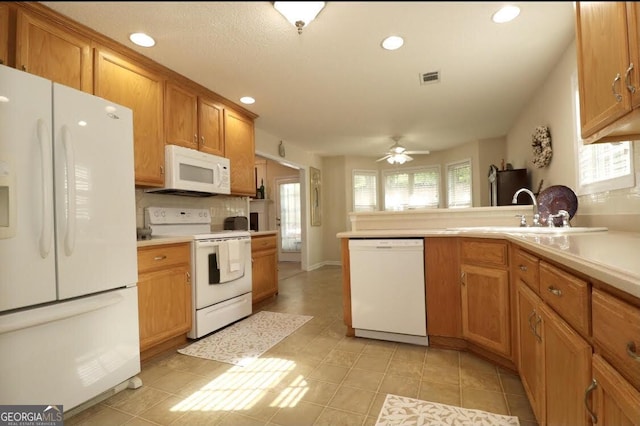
x=287 y=256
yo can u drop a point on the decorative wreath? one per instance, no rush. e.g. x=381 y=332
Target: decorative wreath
x=541 y=143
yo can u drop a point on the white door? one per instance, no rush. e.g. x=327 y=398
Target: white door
x=95 y=194
x=288 y=219
x=27 y=257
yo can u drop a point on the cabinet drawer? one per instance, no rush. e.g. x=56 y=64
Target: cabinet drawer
x=150 y=258
x=616 y=333
x=567 y=294
x=485 y=252
x=263 y=243
x=527 y=269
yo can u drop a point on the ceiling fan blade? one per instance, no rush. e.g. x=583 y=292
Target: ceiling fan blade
x=418 y=152
x=384 y=158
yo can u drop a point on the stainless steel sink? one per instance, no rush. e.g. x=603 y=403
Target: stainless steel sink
x=528 y=230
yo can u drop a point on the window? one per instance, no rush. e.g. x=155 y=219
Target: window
x=602 y=166
x=459 y=184
x=365 y=190
x=412 y=188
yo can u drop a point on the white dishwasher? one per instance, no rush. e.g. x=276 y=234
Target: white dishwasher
x=388 y=289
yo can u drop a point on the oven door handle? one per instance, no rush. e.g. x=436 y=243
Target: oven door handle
x=204 y=244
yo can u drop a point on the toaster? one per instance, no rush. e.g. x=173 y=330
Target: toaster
x=236 y=223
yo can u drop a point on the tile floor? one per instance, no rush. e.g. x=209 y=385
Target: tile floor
x=316 y=376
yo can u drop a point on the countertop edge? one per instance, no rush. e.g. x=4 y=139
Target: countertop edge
x=164 y=240
x=620 y=279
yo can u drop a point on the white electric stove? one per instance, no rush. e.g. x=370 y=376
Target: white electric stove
x=220 y=265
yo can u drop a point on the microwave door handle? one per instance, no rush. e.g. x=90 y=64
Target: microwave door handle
x=218 y=179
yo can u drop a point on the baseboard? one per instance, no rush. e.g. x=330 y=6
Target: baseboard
x=325 y=263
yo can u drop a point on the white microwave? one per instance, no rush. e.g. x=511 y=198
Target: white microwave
x=194 y=173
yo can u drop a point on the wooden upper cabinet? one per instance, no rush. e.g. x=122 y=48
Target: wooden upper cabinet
x=53 y=52
x=608 y=43
x=124 y=82
x=180 y=116
x=4 y=34
x=211 y=127
x=193 y=121
x=239 y=148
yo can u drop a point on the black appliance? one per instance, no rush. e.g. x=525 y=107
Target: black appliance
x=504 y=183
x=236 y=223
x=253 y=222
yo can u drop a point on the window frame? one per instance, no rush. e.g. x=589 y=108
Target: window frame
x=611 y=184
x=413 y=170
x=468 y=162
x=367 y=172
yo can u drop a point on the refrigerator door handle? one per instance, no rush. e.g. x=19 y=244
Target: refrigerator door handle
x=47 y=185
x=70 y=236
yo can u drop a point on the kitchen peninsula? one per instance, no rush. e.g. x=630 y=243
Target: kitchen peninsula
x=530 y=302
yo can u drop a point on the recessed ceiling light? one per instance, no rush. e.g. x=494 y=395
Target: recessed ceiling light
x=392 y=42
x=141 y=39
x=506 y=14
x=248 y=100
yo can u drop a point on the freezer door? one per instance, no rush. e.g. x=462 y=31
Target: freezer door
x=27 y=256
x=67 y=353
x=95 y=199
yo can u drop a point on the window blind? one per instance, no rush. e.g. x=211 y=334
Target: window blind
x=412 y=188
x=365 y=190
x=459 y=184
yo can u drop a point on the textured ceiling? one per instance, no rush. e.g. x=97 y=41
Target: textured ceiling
x=333 y=90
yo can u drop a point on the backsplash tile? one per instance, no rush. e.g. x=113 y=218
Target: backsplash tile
x=221 y=206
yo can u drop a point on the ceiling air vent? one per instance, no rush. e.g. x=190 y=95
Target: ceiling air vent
x=430 y=77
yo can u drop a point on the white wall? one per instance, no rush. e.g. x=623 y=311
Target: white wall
x=312 y=236
x=552 y=105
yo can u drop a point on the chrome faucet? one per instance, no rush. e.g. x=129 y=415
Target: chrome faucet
x=536 y=215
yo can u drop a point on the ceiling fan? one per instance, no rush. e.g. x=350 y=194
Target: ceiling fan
x=398 y=154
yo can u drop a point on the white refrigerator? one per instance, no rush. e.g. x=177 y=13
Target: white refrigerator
x=68 y=266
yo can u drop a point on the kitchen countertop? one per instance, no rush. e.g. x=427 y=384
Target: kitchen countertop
x=608 y=256
x=258 y=233
x=157 y=241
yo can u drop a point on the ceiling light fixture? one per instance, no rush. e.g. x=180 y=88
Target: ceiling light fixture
x=299 y=13
x=392 y=42
x=506 y=14
x=247 y=100
x=142 y=39
x=398 y=158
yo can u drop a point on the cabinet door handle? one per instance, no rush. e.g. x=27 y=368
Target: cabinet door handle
x=462 y=275
x=202 y=140
x=24 y=68
x=529 y=318
x=591 y=388
x=618 y=96
x=163 y=257
x=554 y=291
x=523 y=268
x=535 y=328
x=631 y=351
x=188 y=277
x=630 y=87
x=195 y=139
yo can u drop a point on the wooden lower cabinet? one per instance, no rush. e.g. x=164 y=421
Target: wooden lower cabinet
x=615 y=401
x=485 y=294
x=530 y=347
x=443 y=287
x=567 y=371
x=264 y=260
x=164 y=293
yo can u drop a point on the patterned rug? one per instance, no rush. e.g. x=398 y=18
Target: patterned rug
x=399 y=410
x=246 y=340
